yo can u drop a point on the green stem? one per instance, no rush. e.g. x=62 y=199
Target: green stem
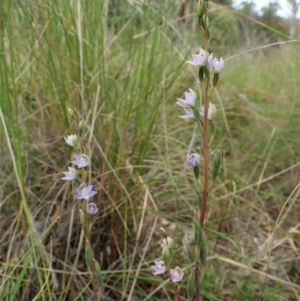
x=94 y=281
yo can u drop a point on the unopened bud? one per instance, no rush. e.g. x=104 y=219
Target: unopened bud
x=165 y=254
x=203 y=252
x=206 y=72
x=217 y=158
x=215 y=79
x=81 y=216
x=196 y=113
x=170 y=243
x=81 y=125
x=216 y=164
x=200 y=8
x=98 y=272
x=205 y=21
x=71 y=112
x=197 y=233
x=201 y=73
x=191 y=289
x=163 y=232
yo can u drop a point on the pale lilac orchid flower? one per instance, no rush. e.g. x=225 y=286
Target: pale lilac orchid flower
x=70 y=174
x=85 y=192
x=176 y=274
x=159 y=267
x=193 y=160
x=189 y=101
x=81 y=160
x=91 y=208
x=199 y=59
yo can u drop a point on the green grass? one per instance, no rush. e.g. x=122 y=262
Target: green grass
x=121 y=66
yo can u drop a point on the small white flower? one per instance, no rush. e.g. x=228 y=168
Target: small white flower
x=218 y=65
x=199 y=59
x=71 y=140
x=189 y=114
x=215 y=65
x=189 y=101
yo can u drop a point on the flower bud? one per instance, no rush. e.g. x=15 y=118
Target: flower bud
x=212 y=111
x=197 y=233
x=170 y=243
x=215 y=79
x=163 y=232
x=200 y=8
x=165 y=254
x=81 y=125
x=81 y=216
x=205 y=21
x=71 y=112
x=203 y=253
x=191 y=289
x=216 y=164
x=201 y=74
x=200 y=21
x=217 y=158
x=88 y=254
x=98 y=272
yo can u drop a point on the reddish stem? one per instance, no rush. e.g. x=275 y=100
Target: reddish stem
x=205 y=157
